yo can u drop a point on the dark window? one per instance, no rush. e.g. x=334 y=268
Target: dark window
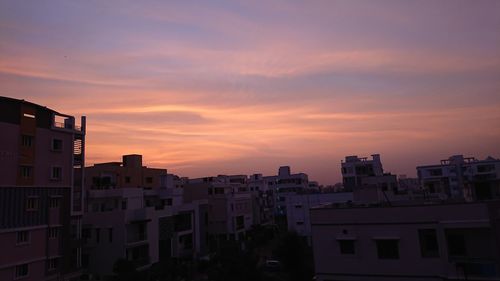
x=57 y=144
x=169 y=201
x=436 y=172
x=127 y=179
x=26 y=171
x=428 y=243
x=346 y=247
x=187 y=241
x=110 y=235
x=32 y=204
x=300 y=223
x=149 y=180
x=53 y=232
x=240 y=222
x=54 y=203
x=485 y=168
x=26 y=141
x=97 y=235
x=456 y=245
x=23 y=237
x=388 y=249
x=182 y=222
x=56 y=173
x=124 y=205
x=52 y=264
x=22 y=270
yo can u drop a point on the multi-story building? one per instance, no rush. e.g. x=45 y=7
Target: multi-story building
x=263 y=200
x=298 y=207
x=355 y=169
x=462 y=177
x=286 y=184
x=41 y=198
x=143 y=226
x=230 y=211
x=128 y=173
x=410 y=241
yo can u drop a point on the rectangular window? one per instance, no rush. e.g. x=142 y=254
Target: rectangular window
x=27 y=115
x=53 y=233
x=32 y=204
x=456 y=245
x=52 y=264
x=54 y=202
x=388 y=248
x=428 y=243
x=127 y=179
x=300 y=223
x=22 y=270
x=149 y=180
x=57 y=144
x=26 y=141
x=124 y=204
x=97 y=235
x=56 y=173
x=346 y=247
x=110 y=235
x=26 y=171
x=23 y=237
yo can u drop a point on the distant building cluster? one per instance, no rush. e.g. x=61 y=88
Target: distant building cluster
x=60 y=220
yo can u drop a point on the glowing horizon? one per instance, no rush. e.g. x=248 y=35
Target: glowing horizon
x=244 y=87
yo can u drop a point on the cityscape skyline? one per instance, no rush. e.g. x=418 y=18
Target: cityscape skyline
x=202 y=89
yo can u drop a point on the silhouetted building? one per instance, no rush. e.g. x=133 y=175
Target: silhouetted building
x=41 y=199
x=354 y=169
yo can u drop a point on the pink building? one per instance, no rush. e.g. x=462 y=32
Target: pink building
x=410 y=241
x=41 y=194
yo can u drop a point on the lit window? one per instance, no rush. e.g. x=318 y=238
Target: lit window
x=32 y=116
x=22 y=270
x=23 y=237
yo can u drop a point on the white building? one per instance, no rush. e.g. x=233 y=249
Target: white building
x=462 y=177
x=298 y=207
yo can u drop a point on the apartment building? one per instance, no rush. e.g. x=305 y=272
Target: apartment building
x=41 y=198
x=230 y=211
x=462 y=177
x=354 y=169
x=299 y=205
x=130 y=173
x=407 y=241
x=286 y=184
x=144 y=226
x=263 y=200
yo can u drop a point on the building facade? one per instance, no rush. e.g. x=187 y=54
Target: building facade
x=41 y=197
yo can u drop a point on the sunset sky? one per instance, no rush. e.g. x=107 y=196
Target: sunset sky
x=223 y=87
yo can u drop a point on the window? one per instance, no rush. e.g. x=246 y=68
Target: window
x=27 y=115
x=23 y=237
x=110 y=235
x=54 y=202
x=57 y=144
x=97 y=235
x=456 y=245
x=149 y=180
x=298 y=206
x=388 y=248
x=127 y=179
x=346 y=247
x=52 y=264
x=32 y=204
x=26 y=141
x=56 y=173
x=22 y=270
x=26 y=171
x=53 y=233
x=300 y=223
x=124 y=204
x=428 y=243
